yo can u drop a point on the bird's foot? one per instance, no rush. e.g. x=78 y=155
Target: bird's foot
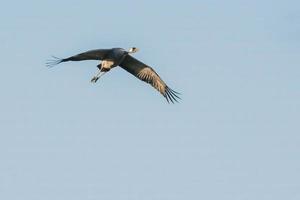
x=94 y=79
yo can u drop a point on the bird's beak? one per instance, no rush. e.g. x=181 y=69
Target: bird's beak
x=133 y=50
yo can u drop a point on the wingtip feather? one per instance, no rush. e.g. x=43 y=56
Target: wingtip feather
x=171 y=95
x=53 y=61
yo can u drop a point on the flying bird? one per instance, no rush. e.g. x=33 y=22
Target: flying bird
x=110 y=58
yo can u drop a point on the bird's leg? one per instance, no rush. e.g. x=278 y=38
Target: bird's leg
x=99 y=74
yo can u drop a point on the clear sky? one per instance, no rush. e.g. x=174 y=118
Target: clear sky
x=234 y=136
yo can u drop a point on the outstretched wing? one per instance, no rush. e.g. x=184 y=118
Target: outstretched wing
x=147 y=74
x=98 y=54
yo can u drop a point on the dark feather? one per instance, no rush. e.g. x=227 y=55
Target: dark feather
x=98 y=54
x=53 y=61
x=148 y=75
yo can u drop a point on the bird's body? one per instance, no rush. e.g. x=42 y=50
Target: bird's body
x=113 y=59
x=120 y=57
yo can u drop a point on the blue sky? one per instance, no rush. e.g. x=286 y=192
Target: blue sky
x=234 y=135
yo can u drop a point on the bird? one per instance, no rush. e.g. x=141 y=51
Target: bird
x=110 y=58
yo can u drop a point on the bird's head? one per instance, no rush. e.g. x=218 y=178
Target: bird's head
x=133 y=50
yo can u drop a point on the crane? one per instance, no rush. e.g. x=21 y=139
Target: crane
x=110 y=58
